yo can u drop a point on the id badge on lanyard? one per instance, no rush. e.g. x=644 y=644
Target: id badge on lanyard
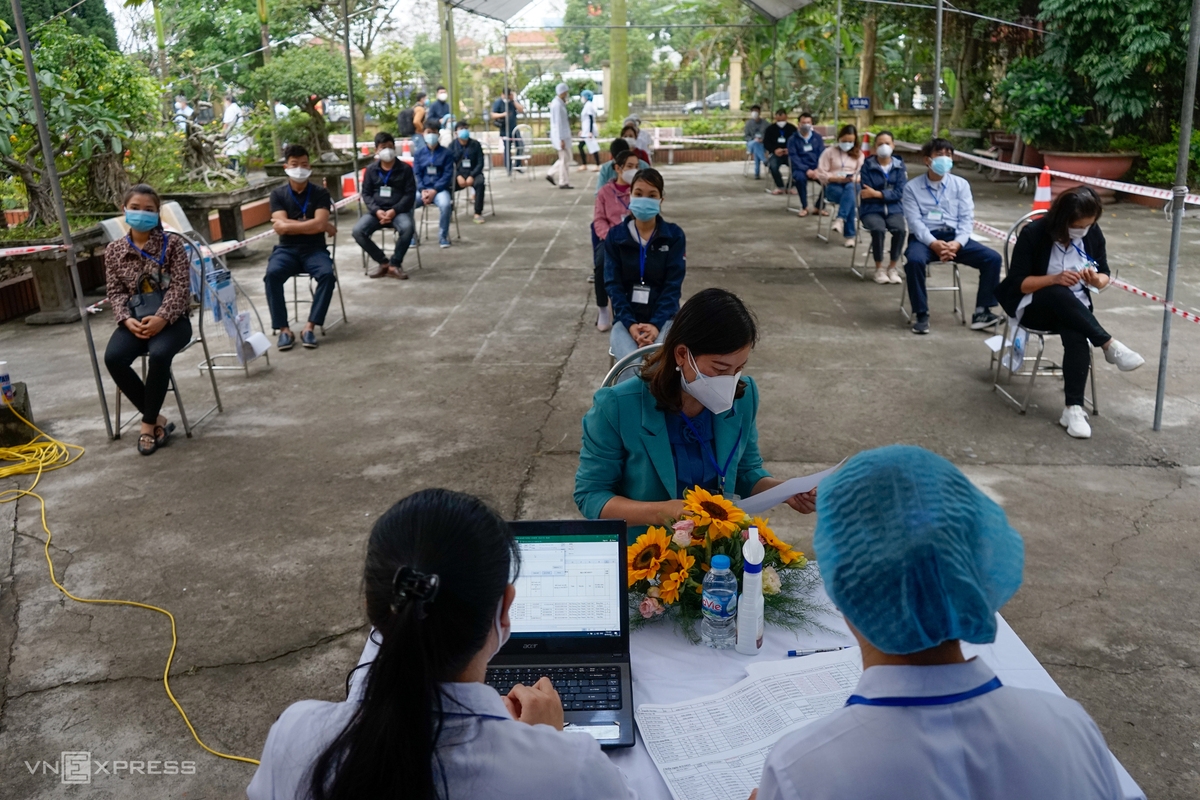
x=640 y=295
x=431 y=170
x=466 y=163
x=385 y=191
x=934 y=214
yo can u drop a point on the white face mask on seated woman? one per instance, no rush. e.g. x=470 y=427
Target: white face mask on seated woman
x=715 y=392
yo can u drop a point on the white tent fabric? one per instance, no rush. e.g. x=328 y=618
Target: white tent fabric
x=504 y=10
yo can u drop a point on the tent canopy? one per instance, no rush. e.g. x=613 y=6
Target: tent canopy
x=504 y=10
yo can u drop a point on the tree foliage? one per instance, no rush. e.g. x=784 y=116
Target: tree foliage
x=1039 y=109
x=389 y=72
x=302 y=77
x=91 y=18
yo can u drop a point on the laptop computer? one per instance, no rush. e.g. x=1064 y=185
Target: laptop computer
x=570 y=623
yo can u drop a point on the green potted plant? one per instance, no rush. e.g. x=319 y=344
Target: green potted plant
x=1040 y=107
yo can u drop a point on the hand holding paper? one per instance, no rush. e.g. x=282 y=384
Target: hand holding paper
x=761 y=502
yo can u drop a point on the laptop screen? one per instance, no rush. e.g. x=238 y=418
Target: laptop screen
x=569 y=586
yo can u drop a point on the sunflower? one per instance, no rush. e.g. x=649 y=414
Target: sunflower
x=722 y=518
x=786 y=554
x=677 y=568
x=647 y=553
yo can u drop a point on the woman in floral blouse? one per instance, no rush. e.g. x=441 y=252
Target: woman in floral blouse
x=148 y=277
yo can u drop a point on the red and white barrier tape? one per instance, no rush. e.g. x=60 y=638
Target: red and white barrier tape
x=24 y=251
x=221 y=248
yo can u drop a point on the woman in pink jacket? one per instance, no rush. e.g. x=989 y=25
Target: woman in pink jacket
x=839 y=171
x=612 y=206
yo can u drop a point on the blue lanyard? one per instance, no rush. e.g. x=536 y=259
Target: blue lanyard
x=712 y=459
x=937 y=700
x=642 y=251
x=1082 y=253
x=162 y=259
x=303 y=208
x=937 y=201
x=383 y=176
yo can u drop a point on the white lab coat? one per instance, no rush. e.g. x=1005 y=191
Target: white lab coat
x=1008 y=744
x=587 y=121
x=560 y=124
x=484 y=751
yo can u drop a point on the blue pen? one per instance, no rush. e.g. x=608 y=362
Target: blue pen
x=797 y=653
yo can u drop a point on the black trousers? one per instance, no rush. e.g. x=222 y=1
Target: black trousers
x=124 y=348
x=1057 y=309
x=583 y=154
x=479 y=190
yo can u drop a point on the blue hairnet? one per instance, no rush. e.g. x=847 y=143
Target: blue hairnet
x=587 y=94
x=912 y=553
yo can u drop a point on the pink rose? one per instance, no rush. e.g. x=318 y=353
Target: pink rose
x=771 y=581
x=683 y=532
x=650 y=608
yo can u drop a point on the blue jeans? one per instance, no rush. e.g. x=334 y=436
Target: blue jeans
x=843 y=194
x=445 y=203
x=288 y=262
x=972 y=254
x=755 y=148
x=365 y=228
x=621 y=343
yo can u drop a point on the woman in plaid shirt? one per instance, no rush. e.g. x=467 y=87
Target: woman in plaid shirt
x=146 y=261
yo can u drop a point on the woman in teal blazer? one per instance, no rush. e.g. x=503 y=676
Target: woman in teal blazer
x=689 y=420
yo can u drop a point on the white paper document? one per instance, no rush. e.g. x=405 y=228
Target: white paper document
x=761 y=502
x=714 y=748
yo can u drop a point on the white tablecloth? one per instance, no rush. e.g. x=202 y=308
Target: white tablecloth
x=667 y=668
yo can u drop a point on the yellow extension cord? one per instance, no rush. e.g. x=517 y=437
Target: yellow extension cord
x=44 y=454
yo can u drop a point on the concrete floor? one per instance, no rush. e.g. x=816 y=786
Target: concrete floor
x=474 y=375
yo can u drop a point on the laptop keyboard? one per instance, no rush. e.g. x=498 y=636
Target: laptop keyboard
x=581 y=688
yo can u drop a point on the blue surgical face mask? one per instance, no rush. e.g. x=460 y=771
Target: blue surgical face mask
x=464 y=134
x=644 y=208
x=942 y=165
x=431 y=139
x=141 y=220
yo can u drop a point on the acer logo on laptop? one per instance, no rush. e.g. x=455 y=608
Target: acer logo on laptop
x=530 y=646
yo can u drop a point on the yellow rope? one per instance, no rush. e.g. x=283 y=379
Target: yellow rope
x=45 y=454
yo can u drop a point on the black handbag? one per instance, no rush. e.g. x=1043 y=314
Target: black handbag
x=147 y=304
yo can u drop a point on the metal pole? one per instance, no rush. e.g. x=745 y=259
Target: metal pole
x=1178 y=192
x=774 y=62
x=56 y=189
x=837 y=67
x=350 y=89
x=937 y=73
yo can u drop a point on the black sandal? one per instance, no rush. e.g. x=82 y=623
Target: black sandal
x=147 y=444
x=162 y=434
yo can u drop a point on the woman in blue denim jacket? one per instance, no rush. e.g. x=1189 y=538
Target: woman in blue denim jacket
x=883 y=179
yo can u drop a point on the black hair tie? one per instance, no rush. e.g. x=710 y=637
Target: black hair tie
x=410 y=584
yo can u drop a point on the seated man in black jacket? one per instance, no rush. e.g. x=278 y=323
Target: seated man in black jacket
x=388 y=189
x=468 y=165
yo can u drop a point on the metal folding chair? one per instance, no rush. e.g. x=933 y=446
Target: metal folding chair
x=424 y=223
x=1046 y=368
x=955 y=287
x=629 y=362
x=383 y=245
x=523 y=138
x=312 y=292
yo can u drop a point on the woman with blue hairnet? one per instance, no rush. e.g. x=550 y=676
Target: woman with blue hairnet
x=919 y=560
x=588 y=131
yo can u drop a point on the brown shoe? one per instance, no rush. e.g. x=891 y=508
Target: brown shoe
x=398 y=273
x=378 y=271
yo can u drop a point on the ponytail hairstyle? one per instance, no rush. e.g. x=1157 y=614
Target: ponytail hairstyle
x=437 y=566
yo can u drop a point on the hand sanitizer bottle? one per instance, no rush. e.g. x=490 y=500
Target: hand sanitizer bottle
x=750 y=604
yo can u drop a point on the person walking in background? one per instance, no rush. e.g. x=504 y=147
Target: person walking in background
x=418 y=122
x=560 y=138
x=388 y=190
x=237 y=143
x=775 y=143
x=1055 y=261
x=183 y=114
x=753 y=133
x=881 y=204
x=467 y=154
x=148 y=279
x=433 y=167
x=804 y=156
x=504 y=116
x=838 y=171
x=940 y=213
x=589 y=131
x=439 y=110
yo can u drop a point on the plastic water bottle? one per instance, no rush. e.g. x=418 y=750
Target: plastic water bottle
x=719 y=626
x=750 y=604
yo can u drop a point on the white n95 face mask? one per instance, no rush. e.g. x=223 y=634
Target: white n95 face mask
x=298 y=173
x=883 y=150
x=715 y=392
x=502 y=633
x=387 y=155
x=627 y=175
x=1078 y=233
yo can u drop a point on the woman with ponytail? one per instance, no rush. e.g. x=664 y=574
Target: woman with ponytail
x=426 y=726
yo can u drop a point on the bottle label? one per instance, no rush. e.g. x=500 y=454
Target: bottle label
x=714 y=606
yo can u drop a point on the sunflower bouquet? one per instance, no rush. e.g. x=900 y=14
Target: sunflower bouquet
x=667 y=566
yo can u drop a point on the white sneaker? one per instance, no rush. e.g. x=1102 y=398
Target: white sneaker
x=850 y=240
x=604 y=320
x=839 y=225
x=894 y=276
x=1074 y=419
x=1125 y=359
x=881 y=275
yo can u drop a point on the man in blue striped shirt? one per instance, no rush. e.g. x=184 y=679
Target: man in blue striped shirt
x=940 y=213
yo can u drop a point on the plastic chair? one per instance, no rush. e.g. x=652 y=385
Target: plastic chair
x=1046 y=368
x=627 y=363
x=312 y=292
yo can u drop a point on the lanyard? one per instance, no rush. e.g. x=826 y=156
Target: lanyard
x=162 y=259
x=937 y=700
x=303 y=208
x=1082 y=253
x=937 y=200
x=383 y=176
x=712 y=459
x=642 y=251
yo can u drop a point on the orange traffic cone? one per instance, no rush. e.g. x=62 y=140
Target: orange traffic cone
x=866 y=143
x=406 y=150
x=1041 y=198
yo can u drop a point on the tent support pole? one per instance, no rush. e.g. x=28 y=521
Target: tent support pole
x=774 y=62
x=937 y=72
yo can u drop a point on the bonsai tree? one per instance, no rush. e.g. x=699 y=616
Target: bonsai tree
x=302 y=77
x=1039 y=107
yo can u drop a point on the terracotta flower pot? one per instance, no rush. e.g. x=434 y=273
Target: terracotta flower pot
x=1110 y=166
